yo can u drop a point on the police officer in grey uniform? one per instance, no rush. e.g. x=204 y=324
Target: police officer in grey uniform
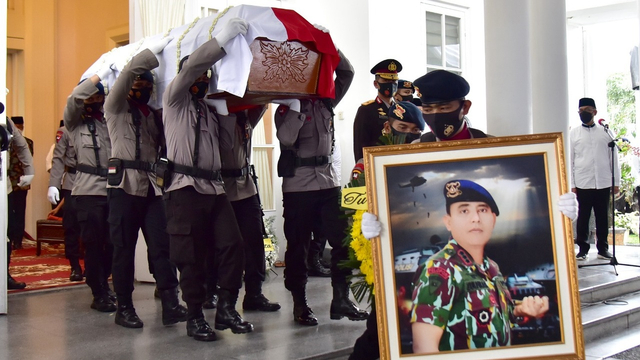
x=242 y=192
x=199 y=216
x=62 y=176
x=19 y=143
x=135 y=199
x=84 y=119
x=311 y=193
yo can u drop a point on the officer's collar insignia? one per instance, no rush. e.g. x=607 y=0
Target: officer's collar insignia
x=399 y=111
x=392 y=66
x=453 y=189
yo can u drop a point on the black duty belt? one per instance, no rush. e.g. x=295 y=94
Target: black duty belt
x=137 y=164
x=197 y=172
x=70 y=170
x=313 y=161
x=102 y=172
x=235 y=172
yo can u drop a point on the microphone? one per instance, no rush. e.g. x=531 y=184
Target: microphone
x=603 y=123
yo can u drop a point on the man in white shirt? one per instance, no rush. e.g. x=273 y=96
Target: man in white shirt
x=591 y=168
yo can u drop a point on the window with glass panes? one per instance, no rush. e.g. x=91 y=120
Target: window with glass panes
x=444 y=40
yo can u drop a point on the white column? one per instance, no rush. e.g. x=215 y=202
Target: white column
x=507 y=67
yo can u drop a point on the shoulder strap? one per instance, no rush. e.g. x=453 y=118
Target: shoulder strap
x=196 y=149
x=137 y=119
x=91 y=125
x=329 y=105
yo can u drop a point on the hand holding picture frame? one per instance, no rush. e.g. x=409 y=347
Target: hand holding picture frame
x=417 y=191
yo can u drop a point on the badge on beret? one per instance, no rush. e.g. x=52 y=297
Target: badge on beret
x=453 y=189
x=399 y=111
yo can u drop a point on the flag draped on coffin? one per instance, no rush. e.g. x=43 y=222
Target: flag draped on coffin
x=231 y=73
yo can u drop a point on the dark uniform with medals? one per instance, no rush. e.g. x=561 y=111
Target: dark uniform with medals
x=371 y=115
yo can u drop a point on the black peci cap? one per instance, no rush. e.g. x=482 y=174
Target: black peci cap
x=587 y=102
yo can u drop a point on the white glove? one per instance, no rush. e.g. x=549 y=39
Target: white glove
x=234 y=27
x=219 y=104
x=293 y=104
x=568 y=205
x=104 y=71
x=53 y=195
x=25 y=180
x=370 y=225
x=157 y=47
x=321 y=28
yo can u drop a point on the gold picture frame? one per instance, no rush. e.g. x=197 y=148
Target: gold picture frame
x=532 y=241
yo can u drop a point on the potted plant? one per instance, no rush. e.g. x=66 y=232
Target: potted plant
x=624 y=224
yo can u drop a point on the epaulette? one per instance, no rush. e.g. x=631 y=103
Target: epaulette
x=367 y=102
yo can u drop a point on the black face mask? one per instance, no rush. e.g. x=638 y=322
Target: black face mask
x=586 y=117
x=444 y=125
x=94 y=110
x=406 y=98
x=199 y=89
x=408 y=137
x=141 y=96
x=387 y=89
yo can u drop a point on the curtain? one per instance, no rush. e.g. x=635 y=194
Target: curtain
x=158 y=16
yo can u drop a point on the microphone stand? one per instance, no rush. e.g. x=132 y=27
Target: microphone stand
x=613 y=261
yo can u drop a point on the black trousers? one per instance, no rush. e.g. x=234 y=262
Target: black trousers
x=127 y=215
x=598 y=200
x=367 y=346
x=248 y=215
x=301 y=212
x=197 y=225
x=16 y=206
x=71 y=228
x=92 y=212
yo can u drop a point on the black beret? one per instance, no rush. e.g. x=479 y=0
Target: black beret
x=406 y=84
x=587 y=102
x=406 y=111
x=467 y=191
x=17 y=120
x=441 y=86
x=416 y=101
x=147 y=75
x=387 y=69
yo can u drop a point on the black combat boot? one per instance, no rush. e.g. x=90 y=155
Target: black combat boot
x=197 y=326
x=341 y=306
x=316 y=268
x=172 y=311
x=255 y=300
x=211 y=301
x=302 y=313
x=13 y=284
x=126 y=316
x=76 y=270
x=103 y=303
x=227 y=316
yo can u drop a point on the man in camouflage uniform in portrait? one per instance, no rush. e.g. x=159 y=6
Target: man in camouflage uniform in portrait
x=460 y=298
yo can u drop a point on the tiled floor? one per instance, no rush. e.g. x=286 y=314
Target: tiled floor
x=60 y=325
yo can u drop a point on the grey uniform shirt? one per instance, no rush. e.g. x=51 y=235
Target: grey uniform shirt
x=87 y=184
x=180 y=118
x=122 y=131
x=311 y=129
x=64 y=157
x=24 y=154
x=238 y=157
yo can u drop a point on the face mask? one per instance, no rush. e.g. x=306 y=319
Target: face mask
x=406 y=98
x=586 y=117
x=141 y=96
x=387 y=89
x=94 y=110
x=444 y=125
x=408 y=137
x=199 y=89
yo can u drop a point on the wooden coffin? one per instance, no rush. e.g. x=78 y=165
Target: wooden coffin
x=279 y=70
x=49 y=231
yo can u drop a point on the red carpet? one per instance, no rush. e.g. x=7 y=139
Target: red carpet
x=50 y=269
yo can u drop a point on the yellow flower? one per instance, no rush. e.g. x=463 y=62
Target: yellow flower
x=362 y=247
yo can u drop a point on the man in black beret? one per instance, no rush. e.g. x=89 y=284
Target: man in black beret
x=405 y=91
x=405 y=120
x=444 y=106
x=591 y=168
x=372 y=114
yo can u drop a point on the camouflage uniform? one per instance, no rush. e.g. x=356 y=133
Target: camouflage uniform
x=470 y=303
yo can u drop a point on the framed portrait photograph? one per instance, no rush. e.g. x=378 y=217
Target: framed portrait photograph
x=475 y=259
